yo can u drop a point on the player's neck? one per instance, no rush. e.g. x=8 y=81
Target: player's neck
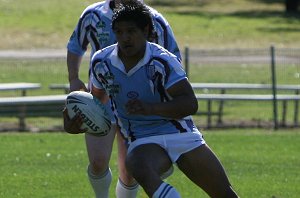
x=131 y=61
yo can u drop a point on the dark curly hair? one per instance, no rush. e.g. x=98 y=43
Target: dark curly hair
x=134 y=11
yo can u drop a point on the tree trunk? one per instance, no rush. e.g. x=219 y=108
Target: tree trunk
x=291 y=5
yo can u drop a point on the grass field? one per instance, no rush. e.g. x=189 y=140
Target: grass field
x=28 y=24
x=260 y=163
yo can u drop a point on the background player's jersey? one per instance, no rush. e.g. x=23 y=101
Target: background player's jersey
x=147 y=81
x=94 y=28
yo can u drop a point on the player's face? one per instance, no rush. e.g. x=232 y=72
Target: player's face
x=131 y=39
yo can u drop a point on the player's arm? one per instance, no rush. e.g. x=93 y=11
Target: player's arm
x=77 y=46
x=100 y=94
x=73 y=63
x=182 y=104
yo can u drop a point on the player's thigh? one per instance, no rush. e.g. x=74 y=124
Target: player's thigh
x=122 y=147
x=125 y=177
x=150 y=157
x=203 y=167
x=100 y=147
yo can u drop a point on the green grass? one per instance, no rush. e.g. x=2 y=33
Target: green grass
x=44 y=71
x=198 y=24
x=259 y=163
x=245 y=73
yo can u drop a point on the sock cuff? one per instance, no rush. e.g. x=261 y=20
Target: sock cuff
x=93 y=176
x=136 y=185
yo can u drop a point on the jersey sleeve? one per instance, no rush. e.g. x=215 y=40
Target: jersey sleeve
x=97 y=70
x=79 y=39
x=176 y=72
x=95 y=82
x=165 y=34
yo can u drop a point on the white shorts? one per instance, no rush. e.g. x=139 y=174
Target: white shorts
x=174 y=144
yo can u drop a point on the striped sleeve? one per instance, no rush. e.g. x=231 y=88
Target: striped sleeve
x=84 y=33
x=165 y=35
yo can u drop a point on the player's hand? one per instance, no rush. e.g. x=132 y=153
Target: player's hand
x=73 y=125
x=138 y=107
x=76 y=85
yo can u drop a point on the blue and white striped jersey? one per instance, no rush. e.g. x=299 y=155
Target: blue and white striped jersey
x=147 y=81
x=94 y=28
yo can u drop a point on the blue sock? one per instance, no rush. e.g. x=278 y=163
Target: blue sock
x=166 y=191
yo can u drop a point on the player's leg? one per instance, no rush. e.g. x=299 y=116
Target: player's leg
x=99 y=151
x=127 y=187
x=203 y=167
x=146 y=163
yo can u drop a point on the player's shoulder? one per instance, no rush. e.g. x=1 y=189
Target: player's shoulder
x=105 y=52
x=95 y=7
x=160 y=52
x=157 y=16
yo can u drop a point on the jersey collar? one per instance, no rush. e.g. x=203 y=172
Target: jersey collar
x=116 y=61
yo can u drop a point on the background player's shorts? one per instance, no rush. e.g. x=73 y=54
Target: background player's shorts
x=174 y=144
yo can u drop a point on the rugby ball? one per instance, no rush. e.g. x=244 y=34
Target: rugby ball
x=94 y=114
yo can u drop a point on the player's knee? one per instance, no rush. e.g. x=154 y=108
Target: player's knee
x=126 y=177
x=128 y=180
x=131 y=164
x=98 y=166
x=136 y=167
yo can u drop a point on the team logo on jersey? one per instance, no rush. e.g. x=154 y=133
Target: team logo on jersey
x=108 y=76
x=150 y=72
x=112 y=89
x=132 y=95
x=103 y=37
x=100 y=24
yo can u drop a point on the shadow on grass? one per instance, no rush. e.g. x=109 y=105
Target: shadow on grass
x=276 y=17
x=177 y=3
x=244 y=14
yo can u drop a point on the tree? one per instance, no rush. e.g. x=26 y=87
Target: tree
x=291 y=5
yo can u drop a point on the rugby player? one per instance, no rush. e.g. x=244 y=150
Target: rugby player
x=153 y=102
x=94 y=29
